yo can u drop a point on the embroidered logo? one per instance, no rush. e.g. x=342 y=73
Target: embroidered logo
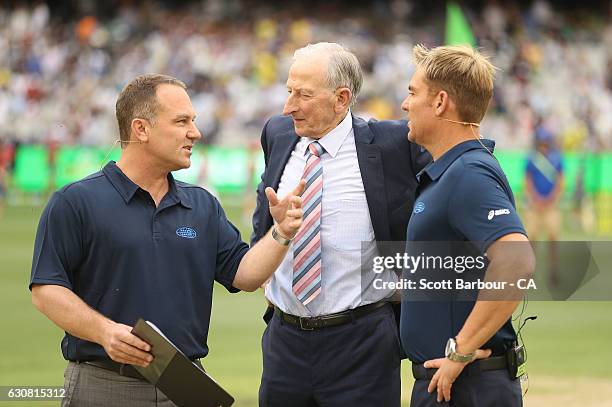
x=187 y=233
x=419 y=207
x=497 y=212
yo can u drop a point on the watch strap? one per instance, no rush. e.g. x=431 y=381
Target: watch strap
x=458 y=357
x=279 y=238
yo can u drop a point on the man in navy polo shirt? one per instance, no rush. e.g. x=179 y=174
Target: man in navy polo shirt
x=130 y=242
x=463 y=196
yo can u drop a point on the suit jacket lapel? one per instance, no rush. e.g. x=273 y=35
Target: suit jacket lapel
x=282 y=148
x=369 y=157
x=278 y=156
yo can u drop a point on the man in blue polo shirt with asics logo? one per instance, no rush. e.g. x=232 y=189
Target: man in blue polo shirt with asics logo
x=458 y=348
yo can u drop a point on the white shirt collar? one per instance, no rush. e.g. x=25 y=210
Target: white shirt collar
x=333 y=140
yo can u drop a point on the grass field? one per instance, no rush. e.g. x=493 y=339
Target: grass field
x=569 y=346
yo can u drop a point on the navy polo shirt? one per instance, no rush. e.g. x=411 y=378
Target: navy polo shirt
x=463 y=196
x=103 y=238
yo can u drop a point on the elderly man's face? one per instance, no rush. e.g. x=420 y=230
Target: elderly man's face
x=311 y=104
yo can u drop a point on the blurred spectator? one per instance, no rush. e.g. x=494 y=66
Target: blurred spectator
x=582 y=210
x=3 y=189
x=6 y=159
x=544 y=182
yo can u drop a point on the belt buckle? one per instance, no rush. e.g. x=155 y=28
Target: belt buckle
x=302 y=327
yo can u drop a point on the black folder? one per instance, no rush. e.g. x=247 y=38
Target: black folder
x=181 y=380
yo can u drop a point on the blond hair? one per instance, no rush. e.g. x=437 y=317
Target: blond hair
x=139 y=100
x=464 y=73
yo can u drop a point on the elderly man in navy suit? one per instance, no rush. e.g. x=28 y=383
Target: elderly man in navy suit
x=331 y=340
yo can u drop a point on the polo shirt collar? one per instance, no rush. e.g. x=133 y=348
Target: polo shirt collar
x=435 y=169
x=180 y=192
x=333 y=140
x=127 y=188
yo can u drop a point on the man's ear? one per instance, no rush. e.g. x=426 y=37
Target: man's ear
x=140 y=130
x=343 y=99
x=441 y=102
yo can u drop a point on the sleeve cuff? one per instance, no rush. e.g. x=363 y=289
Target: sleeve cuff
x=42 y=281
x=493 y=238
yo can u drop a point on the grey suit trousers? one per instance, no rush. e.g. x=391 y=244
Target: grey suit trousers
x=91 y=386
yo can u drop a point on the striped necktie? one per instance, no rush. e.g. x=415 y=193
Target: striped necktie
x=307 y=241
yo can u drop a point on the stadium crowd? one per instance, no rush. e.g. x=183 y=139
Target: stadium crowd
x=61 y=68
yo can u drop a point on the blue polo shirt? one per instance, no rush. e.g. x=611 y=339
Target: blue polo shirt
x=544 y=171
x=103 y=238
x=463 y=196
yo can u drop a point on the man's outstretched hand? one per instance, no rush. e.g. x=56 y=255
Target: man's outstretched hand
x=287 y=212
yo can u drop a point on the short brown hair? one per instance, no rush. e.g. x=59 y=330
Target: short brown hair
x=463 y=72
x=139 y=100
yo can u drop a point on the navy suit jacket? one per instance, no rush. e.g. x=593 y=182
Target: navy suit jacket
x=388 y=163
x=387 y=160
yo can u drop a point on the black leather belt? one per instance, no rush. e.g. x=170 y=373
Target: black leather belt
x=493 y=363
x=326 y=321
x=124 y=369
x=119 y=368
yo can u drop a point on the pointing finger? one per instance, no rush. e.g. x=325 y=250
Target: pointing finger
x=299 y=189
x=271 y=195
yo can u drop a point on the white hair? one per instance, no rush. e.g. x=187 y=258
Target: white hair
x=343 y=69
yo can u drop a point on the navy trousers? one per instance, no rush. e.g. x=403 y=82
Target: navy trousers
x=491 y=388
x=356 y=364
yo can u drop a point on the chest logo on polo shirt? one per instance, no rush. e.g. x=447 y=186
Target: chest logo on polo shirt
x=497 y=212
x=419 y=207
x=187 y=233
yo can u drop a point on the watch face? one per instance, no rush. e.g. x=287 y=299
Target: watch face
x=449 y=347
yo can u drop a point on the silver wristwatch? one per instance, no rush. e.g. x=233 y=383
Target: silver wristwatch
x=451 y=352
x=280 y=239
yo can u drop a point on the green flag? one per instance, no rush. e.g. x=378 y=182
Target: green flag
x=458 y=29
